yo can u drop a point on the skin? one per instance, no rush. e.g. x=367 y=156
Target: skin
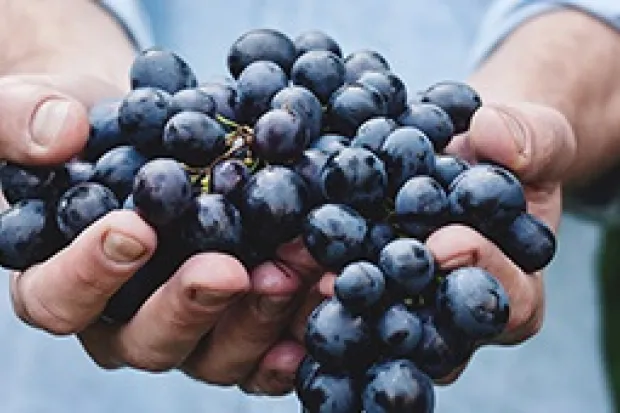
x=228 y=327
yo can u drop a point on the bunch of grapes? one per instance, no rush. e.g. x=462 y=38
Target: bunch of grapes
x=300 y=141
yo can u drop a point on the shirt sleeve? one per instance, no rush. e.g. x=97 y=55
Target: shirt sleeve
x=133 y=18
x=504 y=16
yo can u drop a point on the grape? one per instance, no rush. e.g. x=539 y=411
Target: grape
x=334 y=235
x=330 y=144
x=359 y=286
x=28 y=234
x=352 y=105
x=302 y=101
x=273 y=205
x=228 y=177
x=433 y=121
x=192 y=100
x=105 y=132
x=474 y=302
x=82 y=205
x=194 y=138
x=355 y=177
x=161 y=69
x=21 y=182
x=331 y=393
x=421 y=207
x=408 y=266
x=309 y=167
x=399 y=331
x=256 y=86
x=320 y=71
x=162 y=191
x=396 y=387
x=79 y=171
x=406 y=152
x=316 y=40
x=261 y=44
x=379 y=235
x=486 y=196
x=279 y=136
x=390 y=86
x=362 y=61
x=372 y=133
x=142 y=116
x=224 y=97
x=337 y=338
x=117 y=168
x=457 y=99
x=448 y=168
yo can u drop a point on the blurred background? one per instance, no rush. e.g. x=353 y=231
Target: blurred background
x=563 y=369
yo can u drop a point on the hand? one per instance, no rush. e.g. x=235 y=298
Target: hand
x=538 y=145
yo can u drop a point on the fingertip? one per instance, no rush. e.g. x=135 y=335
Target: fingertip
x=326 y=284
x=213 y=274
x=455 y=246
x=271 y=279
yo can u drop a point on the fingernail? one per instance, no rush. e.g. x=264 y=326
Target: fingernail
x=515 y=128
x=272 y=306
x=49 y=120
x=122 y=248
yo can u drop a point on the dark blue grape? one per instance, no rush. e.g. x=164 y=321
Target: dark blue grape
x=261 y=44
x=352 y=105
x=447 y=168
x=390 y=86
x=79 y=171
x=379 y=235
x=274 y=203
x=334 y=235
x=472 y=301
x=279 y=136
x=432 y=120
x=28 y=234
x=305 y=374
x=355 y=177
x=359 y=286
x=457 y=99
x=192 y=100
x=486 y=196
x=331 y=393
x=406 y=152
x=161 y=69
x=81 y=205
x=408 y=266
x=330 y=143
x=316 y=40
x=362 y=61
x=162 y=191
x=224 y=96
x=398 y=386
x=214 y=225
x=399 y=331
x=228 y=177
x=320 y=71
x=527 y=241
x=441 y=350
x=117 y=168
x=305 y=103
x=142 y=116
x=421 y=207
x=372 y=133
x=338 y=339
x=194 y=138
x=309 y=167
x=105 y=132
x=20 y=182
x=256 y=86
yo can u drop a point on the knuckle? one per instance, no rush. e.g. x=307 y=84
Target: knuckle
x=146 y=360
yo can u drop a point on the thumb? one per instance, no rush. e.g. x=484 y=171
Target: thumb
x=44 y=119
x=535 y=142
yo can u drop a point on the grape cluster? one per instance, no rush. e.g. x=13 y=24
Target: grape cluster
x=300 y=141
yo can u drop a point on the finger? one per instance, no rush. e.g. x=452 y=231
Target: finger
x=45 y=118
x=297 y=258
x=457 y=246
x=535 y=142
x=175 y=318
x=66 y=293
x=248 y=329
x=275 y=374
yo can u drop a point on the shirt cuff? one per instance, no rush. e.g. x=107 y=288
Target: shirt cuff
x=507 y=15
x=133 y=19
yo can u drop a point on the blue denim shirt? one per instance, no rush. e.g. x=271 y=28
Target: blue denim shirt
x=425 y=41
